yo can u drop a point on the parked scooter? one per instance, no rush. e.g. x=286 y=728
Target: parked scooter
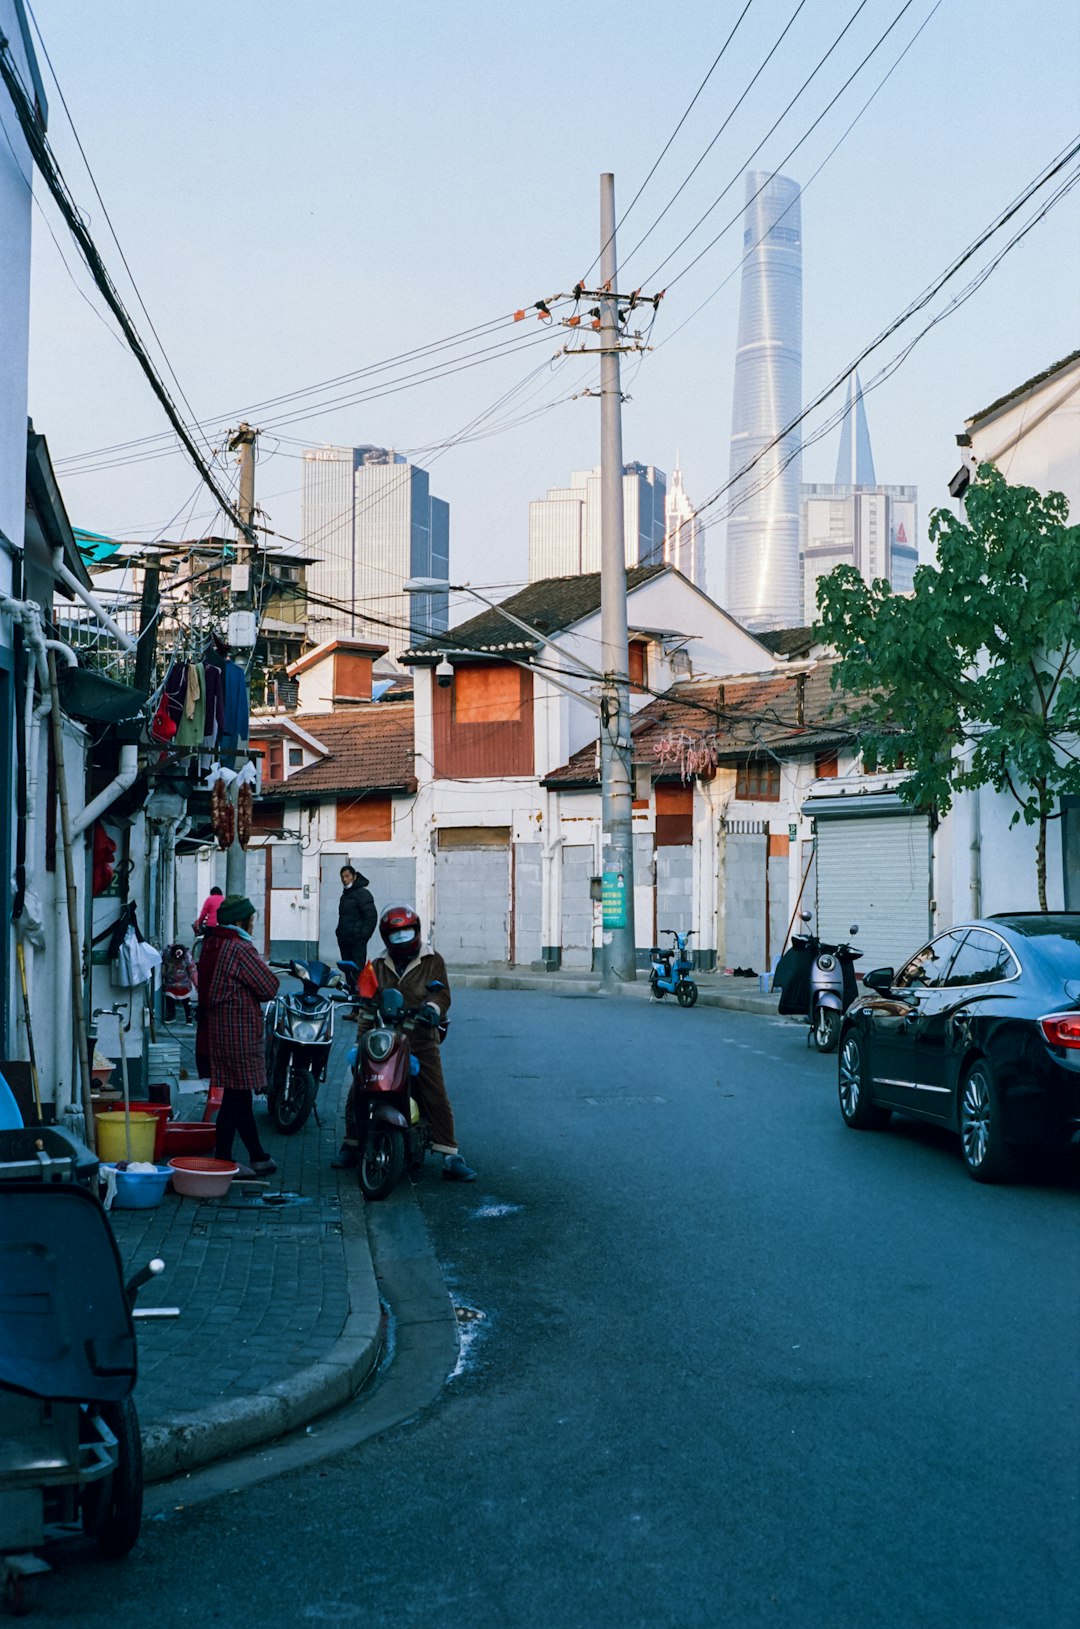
x=390 y=1125
x=817 y=981
x=70 y=1449
x=671 y=969
x=299 y=1035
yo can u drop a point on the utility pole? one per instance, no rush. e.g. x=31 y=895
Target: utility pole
x=617 y=814
x=243 y=620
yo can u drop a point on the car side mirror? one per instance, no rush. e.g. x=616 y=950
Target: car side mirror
x=880 y=979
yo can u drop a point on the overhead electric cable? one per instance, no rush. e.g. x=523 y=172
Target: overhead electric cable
x=686 y=114
x=735 y=108
x=42 y=155
x=922 y=300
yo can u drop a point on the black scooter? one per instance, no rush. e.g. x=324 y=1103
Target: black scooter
x=298 y=1037
x=70 y=1449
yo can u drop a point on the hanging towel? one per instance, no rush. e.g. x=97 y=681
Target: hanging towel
x=192 y=726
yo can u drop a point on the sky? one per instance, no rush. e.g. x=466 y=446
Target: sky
x=301 y=192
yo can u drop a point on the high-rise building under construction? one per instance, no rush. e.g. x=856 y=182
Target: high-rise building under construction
x=764 y=581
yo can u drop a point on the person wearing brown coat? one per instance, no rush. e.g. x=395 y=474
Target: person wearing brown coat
x=413 y=968
x=239 y=981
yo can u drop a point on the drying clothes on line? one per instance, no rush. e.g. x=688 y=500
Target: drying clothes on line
x=214 y=701
x=236 y=702
x=192 y=726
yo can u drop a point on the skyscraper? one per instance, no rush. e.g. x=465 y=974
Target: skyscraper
x=369 y=521
x=855 y=521
x=763 y=582
x=564 y=527
x=684 y=535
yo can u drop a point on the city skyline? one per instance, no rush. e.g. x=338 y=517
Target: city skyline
x=564 y=526
x=855 y=520
x=370 y=521
x=762 y=586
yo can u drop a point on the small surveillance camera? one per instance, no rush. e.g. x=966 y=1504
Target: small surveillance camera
x=444 y=673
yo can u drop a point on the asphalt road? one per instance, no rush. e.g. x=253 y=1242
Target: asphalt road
x=735 y=1365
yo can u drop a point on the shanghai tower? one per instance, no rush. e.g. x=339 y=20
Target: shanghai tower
x=764 y=588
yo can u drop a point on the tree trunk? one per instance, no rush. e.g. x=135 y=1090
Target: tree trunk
x=1040 y=861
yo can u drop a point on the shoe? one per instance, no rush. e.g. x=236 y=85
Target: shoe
x=347 y=1158
x=265 y=1167
x=455 y=1170
x=244 y=1173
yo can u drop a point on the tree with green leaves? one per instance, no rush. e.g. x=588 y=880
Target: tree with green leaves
x=973 y=679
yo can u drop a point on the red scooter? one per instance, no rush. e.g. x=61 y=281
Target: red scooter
x=390 y=1126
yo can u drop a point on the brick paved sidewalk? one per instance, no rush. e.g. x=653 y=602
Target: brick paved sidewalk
x=279 y=1313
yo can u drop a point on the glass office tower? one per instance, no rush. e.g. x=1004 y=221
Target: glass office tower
x=764 y=587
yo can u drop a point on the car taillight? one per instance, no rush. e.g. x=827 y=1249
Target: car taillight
x=1062 y=1028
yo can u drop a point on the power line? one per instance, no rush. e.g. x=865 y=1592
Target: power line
x=922 y=300
x=808 y=183
x=735 y=108
x=686 y=114
x=46 y=164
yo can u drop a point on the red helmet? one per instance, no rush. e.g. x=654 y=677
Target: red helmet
x=400 y=929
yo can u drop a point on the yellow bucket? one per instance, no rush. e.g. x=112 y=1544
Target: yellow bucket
x=112 y=1144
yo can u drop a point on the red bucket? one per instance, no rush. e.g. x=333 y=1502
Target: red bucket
x=189 y=1137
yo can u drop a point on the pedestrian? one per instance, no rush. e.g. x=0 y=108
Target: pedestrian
x=238 y=982
x=207 y=917
x=357 y=916
x=178 y=980
x=413 y=968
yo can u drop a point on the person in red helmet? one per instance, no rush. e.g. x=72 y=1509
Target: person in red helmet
x=412 y=967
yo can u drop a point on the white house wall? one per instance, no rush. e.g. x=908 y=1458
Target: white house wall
x=1035 y=440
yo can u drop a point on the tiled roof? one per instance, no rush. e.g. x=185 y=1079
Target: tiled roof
x=370 y=749
x=788 y=641
x=733 y=720
x=549 y=606
x=1020 y=390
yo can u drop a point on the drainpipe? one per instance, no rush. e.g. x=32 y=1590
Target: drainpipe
x=69 y=579
x=128 y=774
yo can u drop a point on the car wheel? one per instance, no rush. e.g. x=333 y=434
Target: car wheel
x=986 y=1154
x=858 y=1108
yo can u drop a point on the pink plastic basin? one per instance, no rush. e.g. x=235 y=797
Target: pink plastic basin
x=202 y=1178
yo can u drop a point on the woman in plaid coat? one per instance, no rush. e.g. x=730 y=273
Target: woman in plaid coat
x=239 y=981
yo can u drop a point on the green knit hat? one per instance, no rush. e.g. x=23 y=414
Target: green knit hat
x=237 y=908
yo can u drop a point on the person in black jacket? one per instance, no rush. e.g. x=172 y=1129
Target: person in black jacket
x=357 y=916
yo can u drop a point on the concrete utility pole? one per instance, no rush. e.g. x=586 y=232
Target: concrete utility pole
x=244 y=609
x=619 y=949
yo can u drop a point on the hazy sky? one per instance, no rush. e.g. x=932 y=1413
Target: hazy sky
x=305 y=190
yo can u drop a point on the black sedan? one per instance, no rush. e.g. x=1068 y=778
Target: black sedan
x=978 y=1032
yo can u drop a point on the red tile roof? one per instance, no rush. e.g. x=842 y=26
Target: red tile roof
x=705 y=724
x=370 y=750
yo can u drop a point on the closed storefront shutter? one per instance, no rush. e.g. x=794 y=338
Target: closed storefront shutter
x=874 y=870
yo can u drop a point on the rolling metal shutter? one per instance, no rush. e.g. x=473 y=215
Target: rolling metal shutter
x=874 y=869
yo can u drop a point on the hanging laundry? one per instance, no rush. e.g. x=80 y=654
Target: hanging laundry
x=192 y=725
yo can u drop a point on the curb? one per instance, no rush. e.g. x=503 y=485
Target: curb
x=765 y=1006
x=185 y=1442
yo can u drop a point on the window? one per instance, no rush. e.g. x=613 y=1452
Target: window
x=927 y=970
x=487 y=695
x=272 y=762
x=758 y=781
x=826 y=764
x=638 y=653
x=364 y=819
x=983 y=958
x=296 y=757
x=674 y=815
